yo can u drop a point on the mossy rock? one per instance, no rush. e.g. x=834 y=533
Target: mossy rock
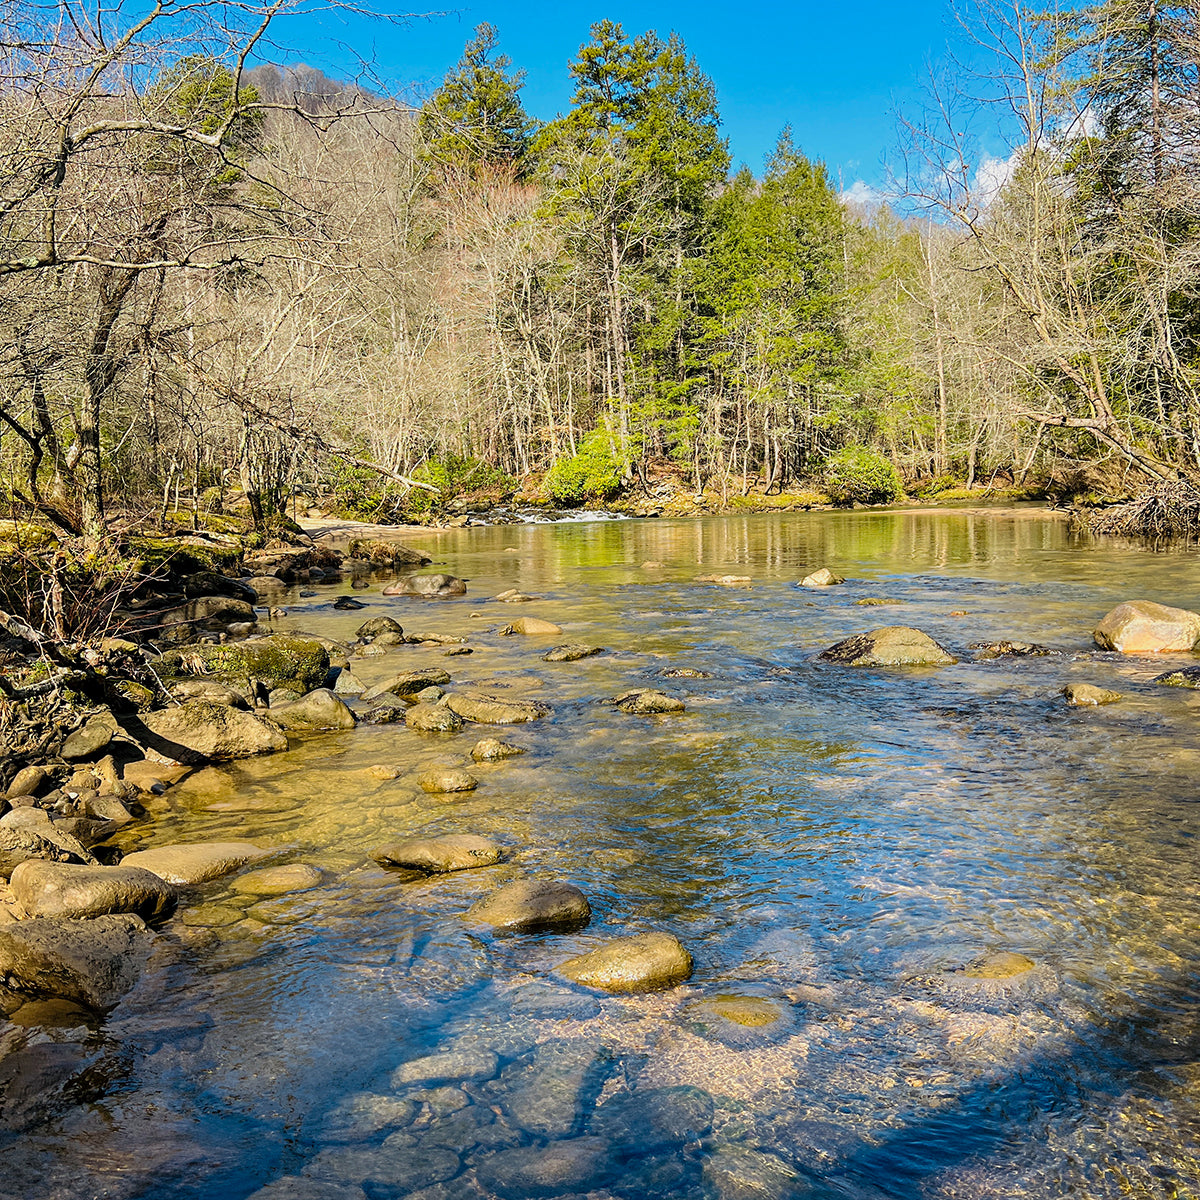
x=156 y=555
x=24 y=535
x=281 y=661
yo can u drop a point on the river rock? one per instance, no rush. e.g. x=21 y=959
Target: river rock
x=382 y=714
x=282 y=660
x=348 y=604
x=267 y=585
x=377 y=625
x=655 y=1119
x=93 y=962
x=386 y=553
x=890 y=646
x=986 y=651
x=28 y=781
x=278 y=881
x=427 y=585
x=201 y=731
x=452 y=1066
x=532 y=626
x=684 y=673
x=212 y=612
x=346 y=683
x=433 y=718
x=823 y=577
x=320 y=709
x=1002 y=964
x=572 y=652
x=575 y=1165
x=206 y=689
x=548 y=1091
x=50 y=889
x=533 y=905
x=1081 y=695
x=90 y=738
x=648 y=703
x=1184 y=677
x=210 y=583
x=1143 y=627
x=649 y=962
x=491 y=710
x=438 y=855
x=408 y=683
x=190 y=863
x=734 y=1172
x=18 y=845
x=725 y=580
x=491 y=749
x=446 y=779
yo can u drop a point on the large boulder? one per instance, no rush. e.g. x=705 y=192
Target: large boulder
x=93 y=962
x=377 y=625
x=320 y=709
x=91 y=737
x=427 y=585
x=438 y=855
x=491 y=710
x=279 y=661
x=1143 y=627
x=49 y=889
x=649 y=962
x=408 y=683
x=891 y=646
x=196 y=862
x=533 y=905
x=200 y=731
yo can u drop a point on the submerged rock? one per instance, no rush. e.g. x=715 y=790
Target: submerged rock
x=433 y=718
x=196 y=862
x=451 y=1066
x=823 y=577
x=734 y=1172
x=533 y=905
x=319 y=710
x=1081 y=695
x=1004 y=964
x=427 y=585
x=278 y=881
x=655 y=1119
x=560 y=1168
x=889 y=646
x=725 y=580
x=491 y=710
x=437 y=855
x=684 y=673
x=491 y=749
x=533 y=627
x=549 y=1091
x=92 y=962
x=648 y=962
x=46 y=889
x=446 y=779
x=1143 y=627
x=648 y=703
x=572 y=652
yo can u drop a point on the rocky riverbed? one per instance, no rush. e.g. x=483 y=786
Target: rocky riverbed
x=671 y=886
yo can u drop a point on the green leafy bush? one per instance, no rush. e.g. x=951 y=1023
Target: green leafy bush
x=594 y=473
x=858 y=475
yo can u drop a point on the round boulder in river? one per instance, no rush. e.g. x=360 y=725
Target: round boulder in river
x=432 y=718
x=278 y=881
x=1143 y=627
x=890 y=646
x=648 y=703
x=649 y=962
x=438 y=855
x=377 y=625
x=1083 y=695
x=319 y=710
x=532 y=626
x=428 y=586
x=490 y=749
x=49 y=889
x=533 y=905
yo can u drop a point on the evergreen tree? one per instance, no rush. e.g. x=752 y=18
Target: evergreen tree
x=476 y=116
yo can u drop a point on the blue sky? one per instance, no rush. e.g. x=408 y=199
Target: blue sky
x=834 y=71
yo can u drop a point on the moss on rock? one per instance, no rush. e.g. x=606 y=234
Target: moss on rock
x=281 y=661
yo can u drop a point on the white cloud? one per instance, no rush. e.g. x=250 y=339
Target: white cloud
x=991 y=175
x=863 y=194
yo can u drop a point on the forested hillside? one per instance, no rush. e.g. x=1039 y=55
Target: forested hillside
x=218 y=277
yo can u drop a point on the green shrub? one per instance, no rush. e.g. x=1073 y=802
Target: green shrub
x=858 y=475
x=593 y=473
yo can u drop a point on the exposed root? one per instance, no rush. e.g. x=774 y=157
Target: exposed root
x=1171 y=510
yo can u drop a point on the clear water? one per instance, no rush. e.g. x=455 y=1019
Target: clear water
x=839 y=844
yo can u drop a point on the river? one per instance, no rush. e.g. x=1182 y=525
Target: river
x=853 y=857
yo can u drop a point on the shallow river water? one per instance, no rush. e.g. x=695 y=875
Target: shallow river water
x=840 y=849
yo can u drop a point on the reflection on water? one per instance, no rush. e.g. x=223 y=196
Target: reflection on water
x=856 y=859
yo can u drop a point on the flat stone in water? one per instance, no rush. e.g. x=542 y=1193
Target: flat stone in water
x=195 y=862
x=364 y=1114
x=684 y=673
x=433 y=718
x=278 y=881
x=533 y=905
x=1084 y=695
x=655 y=1118
x=438 y=855
x=1003 y=965
x=212 y=916
x=490 y=749
x=558 y=1169
x=739 y=1173
x=572 y=652
x=448 y=1067
x=889 y=646
x=548 y=1091
x=649 y=703
x=646 y=963
x=491 y=710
